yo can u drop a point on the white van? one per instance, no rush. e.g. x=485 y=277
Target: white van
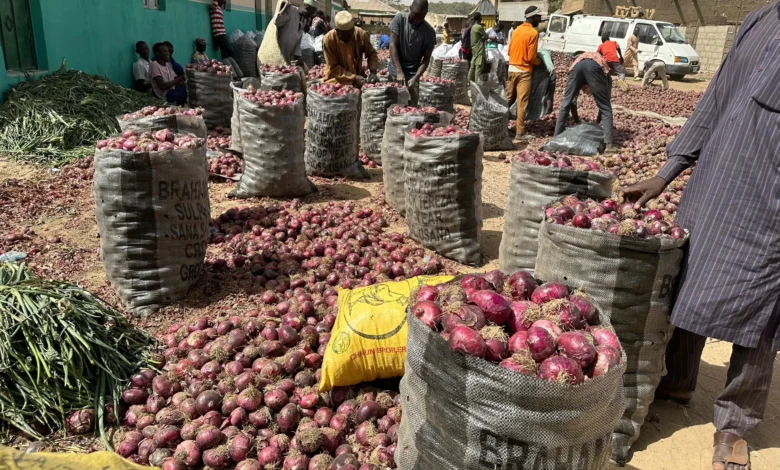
x=658 y=40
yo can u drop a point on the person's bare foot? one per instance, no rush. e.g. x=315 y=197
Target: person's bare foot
x=730 y=452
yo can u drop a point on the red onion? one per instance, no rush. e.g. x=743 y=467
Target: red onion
x=493 y=305
x=575 y=346
x=540 y=343
x=467 y=341
x=562 y=370
x=548 y=292
x=603 y=336
x=587 y=310
x=520 y=285
x=496 y=343
x=607 y=357
x=521 y=362
x=428 y=312
x=518 y=342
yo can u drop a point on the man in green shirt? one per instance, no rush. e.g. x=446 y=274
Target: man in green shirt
x=478 y=37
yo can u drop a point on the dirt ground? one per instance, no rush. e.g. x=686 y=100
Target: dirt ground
x=689 y=83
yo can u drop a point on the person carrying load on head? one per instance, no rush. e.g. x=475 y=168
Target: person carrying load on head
x=412 y=41
x=523 y=58
x=655 y=69
x=729 y=283
x=344 y=48
x=588 y=70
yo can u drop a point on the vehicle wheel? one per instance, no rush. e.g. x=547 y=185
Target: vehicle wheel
x=676 y=77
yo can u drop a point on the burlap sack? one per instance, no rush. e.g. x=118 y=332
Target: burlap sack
x=531 y=187
x=373 y=114
x=489 y=115
x=273 y=151
x=462 y=412
x=178 y=123
x=438 y=95
x=583 y=139
x=153 y=217
x=458 y=72
x=235 y=120
x=281 y=81
x=332 y=136
x=212 y=93
x=631 y=281
x=434 y=68
x=396 y=127
x=443 y=189
x=245 y=49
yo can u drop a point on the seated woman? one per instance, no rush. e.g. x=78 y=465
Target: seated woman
x=165 y=83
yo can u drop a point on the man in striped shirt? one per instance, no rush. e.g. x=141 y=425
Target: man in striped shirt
x=221 y=41
x=730 y=283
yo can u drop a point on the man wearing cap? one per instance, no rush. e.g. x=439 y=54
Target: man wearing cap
x=200 y=51
x=411 y=43
x=522 y=60
x=344 y=48
x=290 y=23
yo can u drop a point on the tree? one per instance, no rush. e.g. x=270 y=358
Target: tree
x=555 y=5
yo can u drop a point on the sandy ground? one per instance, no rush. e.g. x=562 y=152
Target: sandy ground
x=688 y=83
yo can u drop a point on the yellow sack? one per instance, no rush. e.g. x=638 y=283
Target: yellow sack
x=12 y=459
x=368 y=340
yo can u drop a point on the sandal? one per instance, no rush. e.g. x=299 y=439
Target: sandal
x=730 y=452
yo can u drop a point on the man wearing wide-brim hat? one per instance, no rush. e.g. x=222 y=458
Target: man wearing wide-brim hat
x=344 y=48
x=290 y=23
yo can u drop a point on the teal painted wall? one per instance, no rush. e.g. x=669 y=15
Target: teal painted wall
x=99 y=36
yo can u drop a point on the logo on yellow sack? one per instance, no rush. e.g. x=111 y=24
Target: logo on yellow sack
x=360 y=312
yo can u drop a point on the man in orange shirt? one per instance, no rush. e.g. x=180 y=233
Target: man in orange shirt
x=610 y=50
x=522 y=60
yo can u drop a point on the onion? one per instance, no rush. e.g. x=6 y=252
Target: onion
x=587 y=310
x=239 y=447
x=603 y=336
x=548 y=292
x=368 y=410
x=269 y=456
x=365 y=432
x=296 y=462
x=562 y=370
x=467 y=341
x=551 y=328
x=474 y=282
x=80 y=421
x=217 y=457
x=523 y=315
x=287 y=419
x=521 y=362
x=249 y=464
x=428 y=312
x=575 y=346
x=540 y=342
x=276 y=399
x=493 y=305
x=188 y=452
x=320 y=462
x=209 y=436
x=607 y=357
x=208 y=400
x=520 y=285
x=166 y=435
x=496 y=343
x=426 y=293
x=517 y=342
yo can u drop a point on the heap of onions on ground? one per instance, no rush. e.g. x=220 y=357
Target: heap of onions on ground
x=155 y=111
x=543 y=330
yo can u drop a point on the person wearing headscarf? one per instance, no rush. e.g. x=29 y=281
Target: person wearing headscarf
x=344 y=49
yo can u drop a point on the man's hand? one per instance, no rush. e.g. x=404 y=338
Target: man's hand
x=399 y=78
x=359 y=81
x=372 y=78
x=413 y=82
x=643 y=191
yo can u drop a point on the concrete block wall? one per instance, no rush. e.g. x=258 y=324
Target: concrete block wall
x=711 y=42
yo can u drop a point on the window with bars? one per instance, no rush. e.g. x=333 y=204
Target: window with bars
x=152 y=4
x=17 y=36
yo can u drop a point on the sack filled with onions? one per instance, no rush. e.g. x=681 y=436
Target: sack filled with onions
x=508 y=372
x=627 y=260
x=376 y=99
x=152 y=118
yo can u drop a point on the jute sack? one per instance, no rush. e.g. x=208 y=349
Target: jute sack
x=462 y=412
x=212 y=93
x=434 y=68
x=273 y=151
x=246 y=49
x=531 y=187
x=458 y=72
x=153 y=215
x=332 y=136
x=631 y=282
x=396 y=127
x=489 y=116
x=443 y=188
x=373 y=114
x=438 y=95
x=178 y=123
x=235 y=120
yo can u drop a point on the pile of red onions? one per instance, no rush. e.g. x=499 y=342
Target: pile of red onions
x=536 y=157
x=161 y=140
x=219 y=138
x=214 y=66
x=436 y=80
x=412 y=110
x=365 y=161
x=326 y=89
x=226 y=165
x=272 y=97
x=383 y=73
x=427 y=130
x=155 y=111
x=316 y=72
x=285 y=69
x=612 y=217
x=543 y=331
x=383 y=85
